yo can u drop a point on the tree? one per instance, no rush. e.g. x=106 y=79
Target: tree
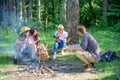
x=19 y=11
x=5 y=11
x=24 y=12
x=73 y=19
x=63 y=18
x=53 y=9
x=30 y=9
x=12 y=14
x=46 y=14
x=38 y=13
x=105 y=6
x=1 y=8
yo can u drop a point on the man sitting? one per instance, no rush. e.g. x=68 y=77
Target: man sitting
x=88 y=50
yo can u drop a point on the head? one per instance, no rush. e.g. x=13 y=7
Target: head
x=24 y=29
x=60 y=28
x=81 y=30
x=33 y=31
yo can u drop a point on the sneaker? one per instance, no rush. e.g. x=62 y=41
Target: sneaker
x=54 y=57
x=62 y=52
x=89 y=67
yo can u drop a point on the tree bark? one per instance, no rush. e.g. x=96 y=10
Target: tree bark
x=12 y=14
x=24 y=13
x=30 y=9
x=19 y=11
x=53 y=9
x=73 y=20
x=1 y=13
x=63 y=16
x=38 y=13
x=105 y=6
x=46 y=15
x=5 y=11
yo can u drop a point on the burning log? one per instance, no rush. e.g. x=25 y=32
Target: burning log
x=41 y=66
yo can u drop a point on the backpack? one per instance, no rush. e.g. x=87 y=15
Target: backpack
x=107 y=55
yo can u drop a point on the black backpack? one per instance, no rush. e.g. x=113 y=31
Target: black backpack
x=107 y=55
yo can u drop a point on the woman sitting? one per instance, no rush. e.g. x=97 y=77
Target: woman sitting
x=60 y=40
x=34 y=38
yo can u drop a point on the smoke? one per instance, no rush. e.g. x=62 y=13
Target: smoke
x=10 y=19
x=7 y=50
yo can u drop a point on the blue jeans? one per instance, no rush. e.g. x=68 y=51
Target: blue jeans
x=29 y=50
x=59 y=44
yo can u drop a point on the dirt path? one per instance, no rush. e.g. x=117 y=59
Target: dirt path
x=63 y=71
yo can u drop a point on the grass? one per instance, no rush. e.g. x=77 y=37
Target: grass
x=107 y=39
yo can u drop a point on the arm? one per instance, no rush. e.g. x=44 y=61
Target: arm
x=78 y=49
x=56 y=36
x=37 y=40
x=83 y=45
x=20 y=42
x=74 y=49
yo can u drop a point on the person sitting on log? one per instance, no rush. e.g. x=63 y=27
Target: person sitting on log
x=60 y=40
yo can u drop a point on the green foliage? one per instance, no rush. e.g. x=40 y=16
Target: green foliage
x=7 y=35
x=87 y=17
x=113 y=14
x=113 y=10
x=5 y=62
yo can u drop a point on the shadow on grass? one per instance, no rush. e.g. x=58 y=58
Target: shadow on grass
x=4 y=60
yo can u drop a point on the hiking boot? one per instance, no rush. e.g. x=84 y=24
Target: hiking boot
x=86 y=65
x=89 y=67
x=92 y=64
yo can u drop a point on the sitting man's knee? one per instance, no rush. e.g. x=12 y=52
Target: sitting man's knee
x=78 y=53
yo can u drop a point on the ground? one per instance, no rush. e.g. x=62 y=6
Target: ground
x=68 y=67
x=62 y=71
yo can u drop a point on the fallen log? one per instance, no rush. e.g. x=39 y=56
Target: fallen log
x=52 y=52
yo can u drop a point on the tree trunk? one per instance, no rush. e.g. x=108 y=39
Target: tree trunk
x=12 y=14
x=73 y=20
x=46 y=15
x=58 y=10
x=5 y=12
x=38 y=13
x=1 y=13
x=24 y=13
x=19 y=12
x=30 y=9
x=53 y=9
x=105 y=6
x=63 y=12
